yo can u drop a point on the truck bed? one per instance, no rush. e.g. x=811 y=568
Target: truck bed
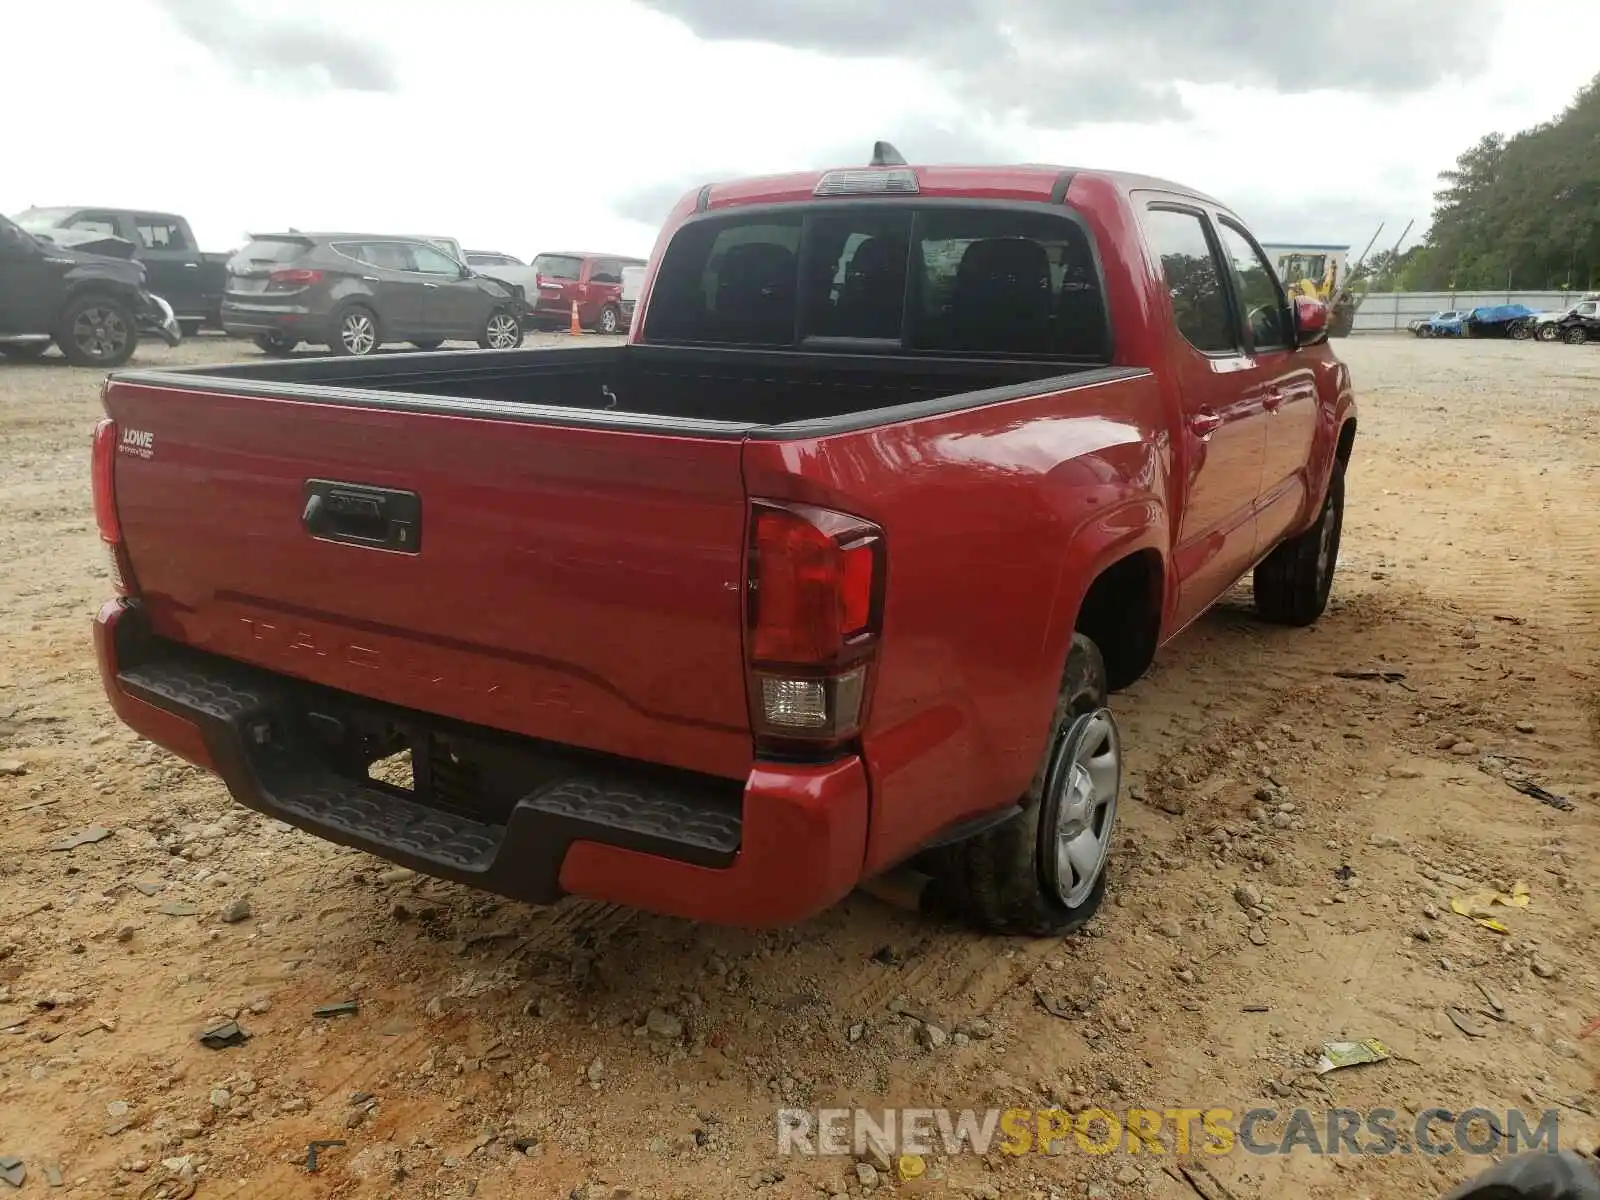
x=653 y=389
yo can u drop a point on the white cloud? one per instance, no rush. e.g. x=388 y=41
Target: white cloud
x=524 y=125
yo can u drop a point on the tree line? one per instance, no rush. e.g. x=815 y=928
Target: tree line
x=1517 y=213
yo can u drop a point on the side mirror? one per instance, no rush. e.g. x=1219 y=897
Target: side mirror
x=1310 y=321
x=467 y=272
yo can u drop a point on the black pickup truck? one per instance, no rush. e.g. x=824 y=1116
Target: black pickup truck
x=188 y=279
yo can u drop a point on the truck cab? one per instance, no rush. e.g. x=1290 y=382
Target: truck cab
x=191 y=281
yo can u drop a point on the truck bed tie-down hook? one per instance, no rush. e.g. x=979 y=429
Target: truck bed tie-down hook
x=611 y=397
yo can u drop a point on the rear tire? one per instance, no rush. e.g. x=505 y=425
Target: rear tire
x=1293 y=583
x=356 y=332
x=98 y=331
x=276 y=344
x=610 y=320
x=501 y=331
x=1043 y=873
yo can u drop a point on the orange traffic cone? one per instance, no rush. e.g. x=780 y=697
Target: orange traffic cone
x=575 y=328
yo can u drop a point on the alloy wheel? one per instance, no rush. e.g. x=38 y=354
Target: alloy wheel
x=100 y=332
x=1086 y=778
x=358 y=333
x=503 y=331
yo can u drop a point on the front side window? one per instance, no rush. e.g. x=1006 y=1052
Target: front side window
x=95 y=223
x=434 y=262
x=1253 y=282
x=935 y=279
x=1193 y=278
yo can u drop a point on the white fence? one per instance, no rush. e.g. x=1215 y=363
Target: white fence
x=1388 y=312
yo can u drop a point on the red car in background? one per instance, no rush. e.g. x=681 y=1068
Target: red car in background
x=592 y=281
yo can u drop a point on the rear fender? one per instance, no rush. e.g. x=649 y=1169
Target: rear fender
x=1133 y=527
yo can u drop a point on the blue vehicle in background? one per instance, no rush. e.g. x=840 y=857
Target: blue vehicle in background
x=1501 y=321
x=1489 y=321
x=1450 y=323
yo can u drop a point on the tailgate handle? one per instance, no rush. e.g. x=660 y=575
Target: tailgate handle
x=357 y=514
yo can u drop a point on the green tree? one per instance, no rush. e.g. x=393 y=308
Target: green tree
x=1524 y=209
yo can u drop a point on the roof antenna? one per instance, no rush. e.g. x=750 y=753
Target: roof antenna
x=885 y=155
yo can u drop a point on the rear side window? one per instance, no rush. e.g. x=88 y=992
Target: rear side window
x=160 y=233
x=606 y=270
x=558 y=266
x=1194 y=279
x=386 y=256
x=944 y=280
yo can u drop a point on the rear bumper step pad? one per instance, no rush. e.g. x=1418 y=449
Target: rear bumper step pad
x=247 y=718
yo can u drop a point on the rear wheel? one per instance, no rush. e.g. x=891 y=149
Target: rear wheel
x=98 y=331
x=502 y=331
x=1293 y=582
x=1044 y=872
x=610 y=319
x=1576 y=336
x=356 y=331
x=276 y=344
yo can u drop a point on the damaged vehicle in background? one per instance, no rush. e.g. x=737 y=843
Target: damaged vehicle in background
x=79 y=291
x=186 y=277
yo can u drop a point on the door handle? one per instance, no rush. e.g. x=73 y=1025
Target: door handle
x=1204 y=424
x=1273 y=399
x=431 y=286
x=370 y=279
x=191 y=266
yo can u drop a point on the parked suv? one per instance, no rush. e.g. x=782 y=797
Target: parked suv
x=593 y=281
x=354 y=292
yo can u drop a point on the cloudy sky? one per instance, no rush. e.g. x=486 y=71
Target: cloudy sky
x=523 y=125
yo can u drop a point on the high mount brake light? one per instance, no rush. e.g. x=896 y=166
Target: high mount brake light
x=815 y=599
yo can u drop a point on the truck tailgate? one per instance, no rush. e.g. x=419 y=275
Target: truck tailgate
x=576 y=585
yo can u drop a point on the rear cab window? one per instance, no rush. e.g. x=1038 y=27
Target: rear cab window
x=918 y=277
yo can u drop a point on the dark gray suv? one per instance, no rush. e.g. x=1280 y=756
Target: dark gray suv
x=353 y=292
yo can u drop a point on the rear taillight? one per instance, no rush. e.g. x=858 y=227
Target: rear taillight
x=109 y=525
x=291 y=278
x=814 y=612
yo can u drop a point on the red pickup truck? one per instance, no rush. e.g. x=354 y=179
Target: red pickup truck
x=830 y=568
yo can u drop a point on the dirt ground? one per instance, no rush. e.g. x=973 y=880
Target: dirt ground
x=1284 y=877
